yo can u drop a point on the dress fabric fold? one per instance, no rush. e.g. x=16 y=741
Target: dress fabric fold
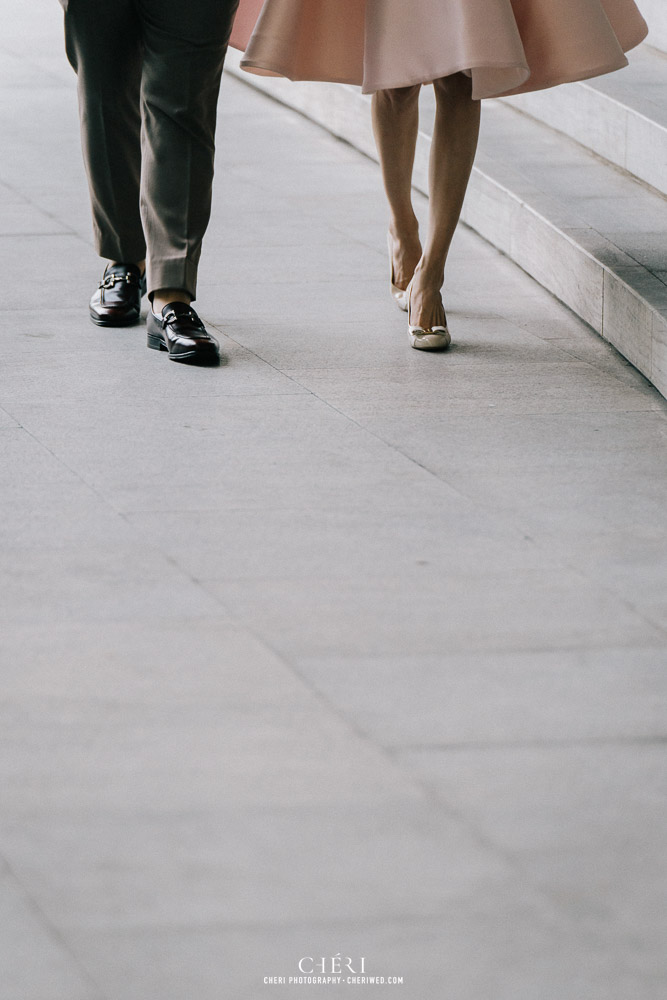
x=506 y=46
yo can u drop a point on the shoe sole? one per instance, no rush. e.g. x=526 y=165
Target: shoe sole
x=205 y=358
x=443 y=344
x=98 y=321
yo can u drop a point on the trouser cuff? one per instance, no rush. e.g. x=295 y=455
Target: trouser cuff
x=179 y=273
x=120 y=249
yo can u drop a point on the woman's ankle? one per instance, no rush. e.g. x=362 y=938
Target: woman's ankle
x=430 y=275
x=405 y=230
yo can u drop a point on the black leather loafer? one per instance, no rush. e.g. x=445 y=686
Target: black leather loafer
x=180 y=331
x=117 y=301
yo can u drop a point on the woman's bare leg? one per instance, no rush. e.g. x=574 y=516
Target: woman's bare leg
x=455 y=139
x=396 y=124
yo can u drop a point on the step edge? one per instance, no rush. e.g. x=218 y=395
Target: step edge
x=626 y=122
x=646 y=345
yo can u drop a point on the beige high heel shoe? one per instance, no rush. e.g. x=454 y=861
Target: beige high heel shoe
x=437 y=338
x=399 y=295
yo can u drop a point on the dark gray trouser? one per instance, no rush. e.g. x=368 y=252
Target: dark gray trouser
x=149 y=76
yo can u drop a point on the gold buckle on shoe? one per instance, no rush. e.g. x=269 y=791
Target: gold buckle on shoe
x=111 y=280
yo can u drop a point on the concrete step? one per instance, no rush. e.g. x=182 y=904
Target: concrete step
x=621 y=117
x=587 y=231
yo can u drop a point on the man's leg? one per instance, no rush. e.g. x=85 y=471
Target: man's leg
x=185 y=47
x=104 y=45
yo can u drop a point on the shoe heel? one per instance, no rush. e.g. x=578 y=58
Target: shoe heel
x=155 y=343
x=397 y=294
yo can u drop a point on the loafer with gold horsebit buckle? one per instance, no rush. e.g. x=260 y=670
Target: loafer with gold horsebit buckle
x=117 y=301
x=180 y=332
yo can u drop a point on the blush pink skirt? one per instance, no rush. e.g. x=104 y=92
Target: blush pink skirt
x=506 y=46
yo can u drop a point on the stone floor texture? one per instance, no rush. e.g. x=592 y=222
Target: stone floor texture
x=338 y=649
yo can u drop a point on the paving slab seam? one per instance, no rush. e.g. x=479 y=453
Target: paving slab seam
x=433 y=795
x=645 y=616
x=365 y=737
x=25 y=200
x=514 y=857
x=657 y=740
x=122 y=515
x=376 y=435
x=508 y=519
x=659 y=402
x=655 y=402
x=55 y=932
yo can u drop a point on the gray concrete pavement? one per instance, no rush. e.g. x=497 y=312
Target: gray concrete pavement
x=340 y=648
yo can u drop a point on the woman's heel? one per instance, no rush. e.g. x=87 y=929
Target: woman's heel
x=399 y=295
